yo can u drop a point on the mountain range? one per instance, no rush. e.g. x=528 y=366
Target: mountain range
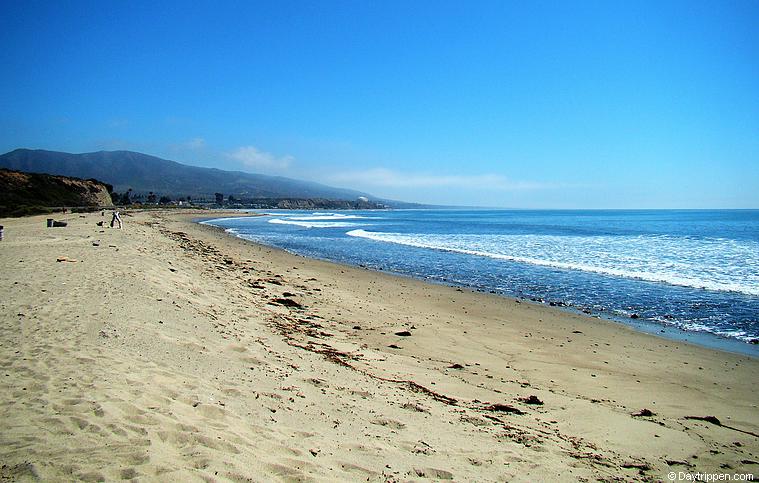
x=144 y=173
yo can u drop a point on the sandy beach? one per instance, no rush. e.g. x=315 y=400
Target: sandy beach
x=171 y=351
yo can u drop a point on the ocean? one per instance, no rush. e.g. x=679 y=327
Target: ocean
x=690 y=274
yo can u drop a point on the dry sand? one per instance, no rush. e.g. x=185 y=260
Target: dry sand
x=169 y=351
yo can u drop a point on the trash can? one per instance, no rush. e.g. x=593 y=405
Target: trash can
x=50 y=222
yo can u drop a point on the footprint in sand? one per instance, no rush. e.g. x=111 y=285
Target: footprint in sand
x=353 y=468
x=212 y=412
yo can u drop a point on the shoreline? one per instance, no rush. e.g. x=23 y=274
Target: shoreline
x=703 y=339
x=172 y=351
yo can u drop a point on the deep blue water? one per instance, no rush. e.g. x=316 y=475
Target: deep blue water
x=681 y=272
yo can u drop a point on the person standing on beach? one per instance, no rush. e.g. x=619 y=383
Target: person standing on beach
x=116 y=218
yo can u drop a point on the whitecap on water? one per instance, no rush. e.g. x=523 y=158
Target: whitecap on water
x=704 y=263
x=313 y=224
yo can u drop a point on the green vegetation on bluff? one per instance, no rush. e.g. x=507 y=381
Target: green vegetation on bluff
x=34 y=193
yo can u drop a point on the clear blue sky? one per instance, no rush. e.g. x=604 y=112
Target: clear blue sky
x=577 y=104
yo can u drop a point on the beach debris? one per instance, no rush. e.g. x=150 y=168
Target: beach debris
x=676 y=463
x=172 y=269
x=288 y=294
x=52 y=223
x=403 y=333
x=643 y=412
x=286 y=302
x=708 y=419
x=717 y=422
x=531 y=400
x=414 y=407
x=433 y=473
x=356 y=327
x=455 y=366
x=393 y=346
x=636 y=465
x=503 y=408
x=313 y=452
x=64 y=259
x=423 y=448
x=390 y=423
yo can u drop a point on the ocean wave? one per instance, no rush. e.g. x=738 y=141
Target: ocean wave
x=313 y=224
x=739 y=334
x=326 y=216
x=220 y=220
x=711 y=264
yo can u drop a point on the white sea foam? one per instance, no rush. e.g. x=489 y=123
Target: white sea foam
x=313 y=224
x=712 y=263
x=219 y=220
x=326 y=216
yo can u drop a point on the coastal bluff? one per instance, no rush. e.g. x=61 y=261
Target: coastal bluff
x=34 y=193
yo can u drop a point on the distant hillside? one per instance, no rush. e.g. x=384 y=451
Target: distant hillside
x=33 y=193
x=143 y=173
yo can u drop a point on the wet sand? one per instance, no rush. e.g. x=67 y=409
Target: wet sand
x=170 y=351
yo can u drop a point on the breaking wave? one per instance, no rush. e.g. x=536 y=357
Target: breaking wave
x=704 y=263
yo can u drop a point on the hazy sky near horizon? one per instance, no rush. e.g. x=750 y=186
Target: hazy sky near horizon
x=579 y=104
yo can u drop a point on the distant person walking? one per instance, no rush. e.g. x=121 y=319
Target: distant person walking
x=116 y=219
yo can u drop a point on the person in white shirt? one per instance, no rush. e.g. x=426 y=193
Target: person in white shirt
x=116 y=219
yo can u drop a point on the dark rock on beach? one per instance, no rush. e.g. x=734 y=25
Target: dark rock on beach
x=503 y=408
x=286 y=302
x=643 y=412
x=533 y=400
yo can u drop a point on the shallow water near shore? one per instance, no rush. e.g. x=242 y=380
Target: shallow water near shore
x=689 y=274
